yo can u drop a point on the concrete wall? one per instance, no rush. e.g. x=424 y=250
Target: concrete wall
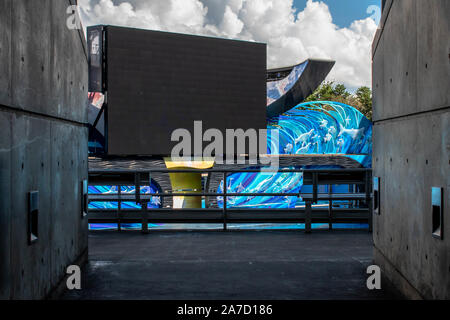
x=43 y=144
x=411 y=150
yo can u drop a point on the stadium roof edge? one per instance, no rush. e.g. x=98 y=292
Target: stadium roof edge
x=292 y=66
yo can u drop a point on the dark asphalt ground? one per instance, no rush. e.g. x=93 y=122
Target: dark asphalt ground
x=229 y=265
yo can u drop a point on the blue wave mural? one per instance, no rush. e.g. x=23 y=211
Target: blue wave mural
x=320 y=127
x=154 y=203
x=270 y=182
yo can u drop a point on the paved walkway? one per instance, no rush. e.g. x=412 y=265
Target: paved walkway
x=229 y=265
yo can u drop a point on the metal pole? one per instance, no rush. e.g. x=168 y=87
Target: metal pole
x=119 y=208
x=137 y=187
x=330 y=208
x=308 y=216
x=315 y=184
x=225 y=201
x=144 y=217
x=370 y=210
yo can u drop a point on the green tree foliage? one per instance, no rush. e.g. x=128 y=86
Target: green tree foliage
x=329 y=91
x=364 y=95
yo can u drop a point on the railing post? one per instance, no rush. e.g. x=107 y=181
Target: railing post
x=330 y=208
x=308 y=213
x=225 y=201
x=137 y=187
x=370 y=204
x=144 y=217
x=315 y=186
x=119 y=208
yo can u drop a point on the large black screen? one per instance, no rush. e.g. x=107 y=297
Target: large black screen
x=159 y=81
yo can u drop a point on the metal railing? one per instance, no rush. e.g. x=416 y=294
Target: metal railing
x=360 y=210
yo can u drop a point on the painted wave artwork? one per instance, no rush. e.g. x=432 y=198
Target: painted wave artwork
x=320 y=127
x=273 y=182
x=154 y=203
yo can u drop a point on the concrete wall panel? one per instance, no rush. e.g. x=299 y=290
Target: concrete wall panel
x=399 y=62
x=412 y=64
x=43 y=144
x=30 y=170
x=67 y=163
x=403 y=230
x=5 y=52
x=378 y=83
x=411 y=75
x=5 y=204
x=433 y=59
x=81 y=243
x=30 y=56
x=41 y=55
x=68 y=89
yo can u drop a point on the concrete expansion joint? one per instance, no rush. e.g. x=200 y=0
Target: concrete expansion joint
x=41 y=115
x=414 y=114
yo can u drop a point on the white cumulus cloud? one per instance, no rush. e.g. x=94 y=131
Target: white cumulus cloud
x=291 y=36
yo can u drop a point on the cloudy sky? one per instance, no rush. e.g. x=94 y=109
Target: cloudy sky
x=294 y=30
